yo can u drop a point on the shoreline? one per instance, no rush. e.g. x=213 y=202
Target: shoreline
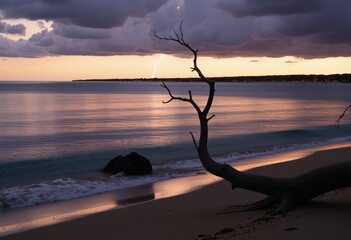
x=47 y=215
x=319 y=78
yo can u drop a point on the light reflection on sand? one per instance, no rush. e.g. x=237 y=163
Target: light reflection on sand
x=49 y=220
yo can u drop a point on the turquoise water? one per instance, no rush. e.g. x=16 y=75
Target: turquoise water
x=56 y=137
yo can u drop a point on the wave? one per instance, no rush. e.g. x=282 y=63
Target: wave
x=69 y=188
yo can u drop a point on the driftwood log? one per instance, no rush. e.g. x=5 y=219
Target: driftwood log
x=282 y=193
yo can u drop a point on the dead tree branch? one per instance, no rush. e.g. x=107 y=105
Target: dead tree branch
x=342 y=115
x=282 y=193
x=172 y=97
x=179 y=38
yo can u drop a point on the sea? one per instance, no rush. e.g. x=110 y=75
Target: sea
x=56 y=137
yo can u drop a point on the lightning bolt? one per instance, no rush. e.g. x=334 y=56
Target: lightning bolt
x=156 y=65
x=180 y=4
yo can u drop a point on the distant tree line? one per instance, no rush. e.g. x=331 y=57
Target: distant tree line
x=343 y=78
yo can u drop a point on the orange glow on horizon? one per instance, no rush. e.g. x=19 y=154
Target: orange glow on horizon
x=66 y=68
x=91 y=67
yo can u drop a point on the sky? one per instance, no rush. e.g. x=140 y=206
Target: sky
x=85 y=39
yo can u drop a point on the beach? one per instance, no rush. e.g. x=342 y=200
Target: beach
x=206 y=213
x=117 y=120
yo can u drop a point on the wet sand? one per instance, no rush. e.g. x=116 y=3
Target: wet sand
x=205 y=213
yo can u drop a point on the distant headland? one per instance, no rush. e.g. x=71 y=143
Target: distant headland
x=344 y=78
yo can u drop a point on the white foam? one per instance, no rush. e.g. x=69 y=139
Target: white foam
x=64 y=189
x=69 y=188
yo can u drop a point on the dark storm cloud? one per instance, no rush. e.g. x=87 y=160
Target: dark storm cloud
x=314 y=28
x=73 y=31
x=132 y=38
x=222 y=28
x=20 y=48
x=85 y=13
x=274 y=28
x=19 y=29
x=42 y=39
x=333 y=18
x=206 y=27
x=244 y=8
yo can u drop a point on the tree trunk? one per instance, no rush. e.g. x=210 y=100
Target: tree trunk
x=283 y=193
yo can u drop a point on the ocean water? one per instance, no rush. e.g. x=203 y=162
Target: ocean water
x=56 y=137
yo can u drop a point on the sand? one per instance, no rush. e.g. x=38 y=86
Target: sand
x=205 y=214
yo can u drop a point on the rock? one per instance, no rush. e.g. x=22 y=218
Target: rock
x=131 y=164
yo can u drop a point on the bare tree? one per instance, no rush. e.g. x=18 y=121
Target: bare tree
x=282 y=193
x=343 y=115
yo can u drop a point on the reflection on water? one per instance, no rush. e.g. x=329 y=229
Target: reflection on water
x=43 y=125
x=75 y=128
x=37 y=124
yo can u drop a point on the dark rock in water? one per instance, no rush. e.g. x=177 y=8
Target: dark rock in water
x=131 y=164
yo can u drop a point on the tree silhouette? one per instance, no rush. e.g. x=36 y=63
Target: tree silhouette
x=282 y=193
x=343 y=115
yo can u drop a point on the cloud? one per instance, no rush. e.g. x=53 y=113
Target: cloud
x=42 y=39
x=41 y=24
x=20 y=48
x=206 y=27
x=84 y=13
x=19 y=29
x=132 y=38
x=77 y=32
x=220 y=28
x=317 y=28
x=257 y=8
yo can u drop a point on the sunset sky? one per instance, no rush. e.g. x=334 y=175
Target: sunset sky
x=80 y=39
